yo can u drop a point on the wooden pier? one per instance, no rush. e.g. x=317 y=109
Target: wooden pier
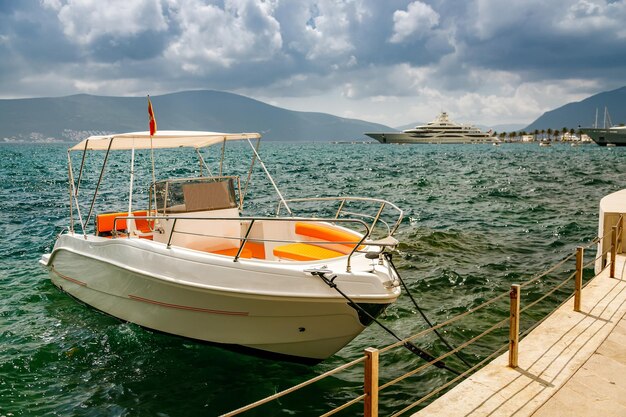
x=572 y=364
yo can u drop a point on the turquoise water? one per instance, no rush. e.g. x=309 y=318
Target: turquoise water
x=478 y=218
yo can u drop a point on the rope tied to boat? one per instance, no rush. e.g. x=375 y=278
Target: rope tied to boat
x=389 y=257
x=407 y=344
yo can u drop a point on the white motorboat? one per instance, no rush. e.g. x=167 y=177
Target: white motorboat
x=188 y=262
x=440 y=131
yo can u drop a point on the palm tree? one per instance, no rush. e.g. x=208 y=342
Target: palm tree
x=543 y=131
x=536 y=133
x=549 y=132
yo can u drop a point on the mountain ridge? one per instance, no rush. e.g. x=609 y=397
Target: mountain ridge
x=76 y=116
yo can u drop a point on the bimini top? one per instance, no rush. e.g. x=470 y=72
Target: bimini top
x=161 y=140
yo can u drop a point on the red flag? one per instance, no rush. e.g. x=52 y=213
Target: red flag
x=153 y=125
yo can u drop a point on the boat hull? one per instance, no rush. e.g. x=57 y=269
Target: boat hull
x=401 y=137
x=277 y=309
x=604 y=137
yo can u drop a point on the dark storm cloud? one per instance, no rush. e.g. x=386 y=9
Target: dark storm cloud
x=360 y=49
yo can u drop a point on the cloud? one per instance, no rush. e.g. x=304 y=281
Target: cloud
x=415 y=22
x=394 y=61
x=84 y=21
x=210 y=36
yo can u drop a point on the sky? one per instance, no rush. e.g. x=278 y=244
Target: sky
x=486 y=62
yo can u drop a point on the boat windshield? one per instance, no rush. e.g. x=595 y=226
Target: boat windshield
x=195 y=194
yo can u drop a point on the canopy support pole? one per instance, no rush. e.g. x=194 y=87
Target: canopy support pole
x=74 y=195
x=203 y=163
x=82 y=164
x=245 y=188
x=95 y=194
x=270 y=177
x=130 y=222
x=223 y=151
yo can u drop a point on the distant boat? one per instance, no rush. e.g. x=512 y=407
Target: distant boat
x=608 y=135
x=545 y=143
x=440 y=130
x=614 y=136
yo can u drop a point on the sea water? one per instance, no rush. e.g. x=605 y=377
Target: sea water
x=477 y=219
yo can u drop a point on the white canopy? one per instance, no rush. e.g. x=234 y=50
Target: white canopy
x=161 y=140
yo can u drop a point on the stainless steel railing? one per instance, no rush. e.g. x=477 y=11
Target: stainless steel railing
x=360 y=242
x=378 y=204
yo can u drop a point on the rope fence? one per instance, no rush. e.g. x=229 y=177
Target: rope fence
x=372 y=356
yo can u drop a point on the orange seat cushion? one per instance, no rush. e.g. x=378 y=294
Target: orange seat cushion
x=327 y=233
x=104 y=221
x=304 y=252
x=257 y=249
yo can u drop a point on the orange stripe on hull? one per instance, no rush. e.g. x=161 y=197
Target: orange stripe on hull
x=202 y=310
x=75 y=281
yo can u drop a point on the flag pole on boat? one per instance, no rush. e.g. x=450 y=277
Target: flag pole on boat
x=152 y=124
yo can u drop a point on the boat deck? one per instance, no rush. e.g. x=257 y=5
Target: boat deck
x=572 y=364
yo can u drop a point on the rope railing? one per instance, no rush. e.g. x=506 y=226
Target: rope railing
x=550 y=270
x=295 y=387
x=445 y=355
x=435 y=361
x=445 y=323
x=452 y=381
x=549 y=293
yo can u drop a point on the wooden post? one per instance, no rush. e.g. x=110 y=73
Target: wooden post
x=578 y=281
x=371 y=382
x=514 y=325
x=613 y=250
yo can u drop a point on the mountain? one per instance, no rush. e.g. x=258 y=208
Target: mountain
x=583 y=113
x=75 y=117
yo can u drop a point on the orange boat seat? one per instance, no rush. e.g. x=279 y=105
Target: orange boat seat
x=105 y=221
x=304 y=252
x=345 y=240
x=250 y=250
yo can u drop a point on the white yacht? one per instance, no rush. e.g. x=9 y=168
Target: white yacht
x=184 y=260
x=440 y=130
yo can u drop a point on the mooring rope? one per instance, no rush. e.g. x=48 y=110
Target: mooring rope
x=389 y=257
x=407 y=344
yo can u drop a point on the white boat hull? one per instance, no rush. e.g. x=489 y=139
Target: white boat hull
x=408 y=138
x=270 y=306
